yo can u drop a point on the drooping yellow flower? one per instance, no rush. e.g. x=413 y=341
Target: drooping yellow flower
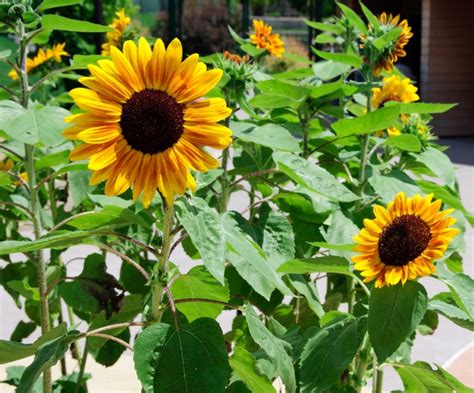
x=6 y=165
x=145 y=121
x=264 y=39
x=403 y=240
x=393 y=131
x=391 y=53
x=394 y=88
x=42 y=57
x=115 y=37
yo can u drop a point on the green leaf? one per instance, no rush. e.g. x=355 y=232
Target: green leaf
x=79 y=186
x=198 y=283
x=344 y=58
x=270 y=135
x=446 y=195
x=421 y=378
x=394 y=313
x=439 y=164
x=252 y=50
x=334 y=247
x=94 y=289
x=5 y=53
x=387 y=187
x=309 y=291
x=327 y=70
x=353 y=18
x=108 y=216
x=203 y=225
x=312 y=176
x=387 y=38
x=273 y=347
x=46 y=356
x=278 y=240
x=243 y=364
x=269 y=101
x=60 y=240
x=444 y=304
x=132 y=306
x=423 y=107
x=235 y=36
x=377 y=120
x=110 y=352
x=370 y=16
x=284 y=89
x=332 y=28
x=325 y=89
x=329 y=264
x=11 y=351
x=341 y=231
x=48 y=4
x=405 y=142
x=83 y=61
x=52 y=160
x=250 y=260
x=328 y=353
x=462 y=289
x=58 y=22
x=189 y=359
x=38 y=125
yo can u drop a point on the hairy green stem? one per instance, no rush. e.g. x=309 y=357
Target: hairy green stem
x=158 y=288
x=29 y=163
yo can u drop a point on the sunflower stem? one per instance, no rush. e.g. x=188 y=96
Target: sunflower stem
x=34 y=203
x=162 y=273
x=363 y=363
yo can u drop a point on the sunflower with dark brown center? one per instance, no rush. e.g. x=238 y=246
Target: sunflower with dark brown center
x=387 y=58
x=403 y=240
x=145 y=121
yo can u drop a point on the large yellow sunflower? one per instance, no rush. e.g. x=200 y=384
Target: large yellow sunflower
x=115 y=37
x=391 y=53
x=145 y=122
x=264 y=39
x=42 y=57
x=394 y=88
x=403 y=240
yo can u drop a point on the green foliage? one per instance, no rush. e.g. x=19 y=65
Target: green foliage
x=190 y=358
x=268 y=237
x=394 y=313
x=328 y=353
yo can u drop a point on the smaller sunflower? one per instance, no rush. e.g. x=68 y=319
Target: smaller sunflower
x=403 y=240
x=386 y=58
x=264 y=39
x=115 y=37
x=394 y=88
x=42 y=57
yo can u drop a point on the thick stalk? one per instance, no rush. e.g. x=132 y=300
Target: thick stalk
x=34 y=205
x=224 y=200
x=363 y=363
x=378 y=381
x=82 y=368
x=162 y=266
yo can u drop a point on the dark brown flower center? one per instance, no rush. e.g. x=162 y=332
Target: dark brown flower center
x=404 y=239
x=151 y=121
